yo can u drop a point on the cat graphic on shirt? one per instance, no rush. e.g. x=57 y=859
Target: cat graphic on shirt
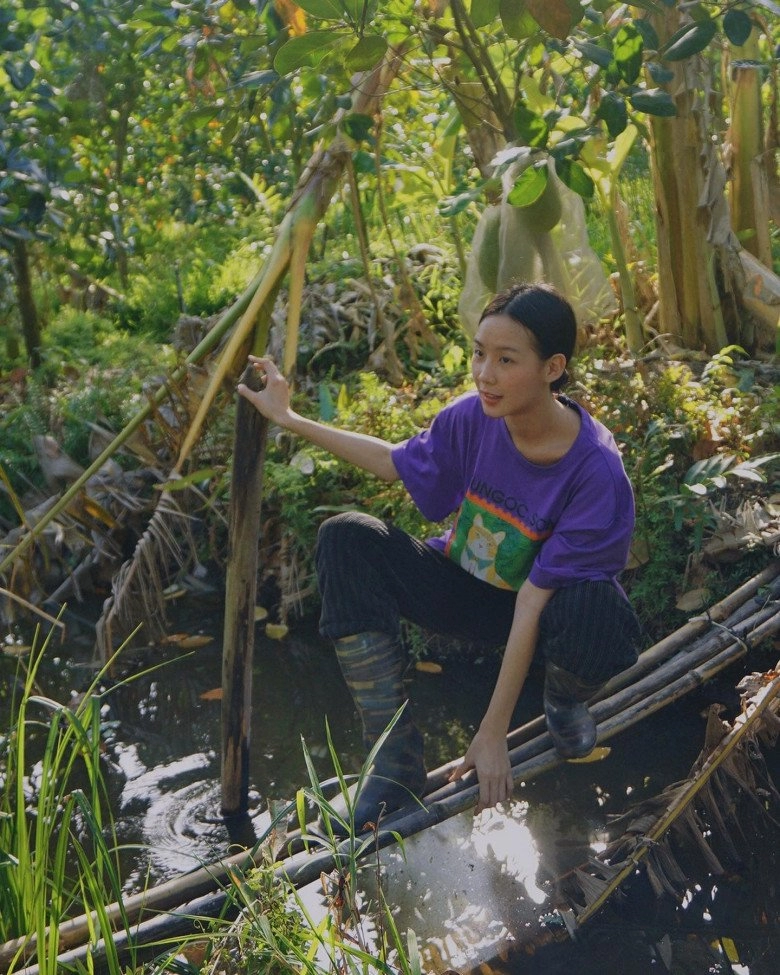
x=479 y=553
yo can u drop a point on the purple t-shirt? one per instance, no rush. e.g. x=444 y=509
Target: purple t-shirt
x=554 y=524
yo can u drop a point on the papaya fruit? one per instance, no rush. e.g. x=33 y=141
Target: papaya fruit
x=546 y=210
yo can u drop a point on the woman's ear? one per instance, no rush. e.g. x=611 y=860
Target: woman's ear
x=556 y=366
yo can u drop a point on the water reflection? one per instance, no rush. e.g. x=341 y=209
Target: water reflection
x=470 y=885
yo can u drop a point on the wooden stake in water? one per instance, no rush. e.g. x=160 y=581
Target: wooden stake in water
x=240 y=596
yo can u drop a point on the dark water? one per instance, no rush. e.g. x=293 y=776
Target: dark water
x=162 y=735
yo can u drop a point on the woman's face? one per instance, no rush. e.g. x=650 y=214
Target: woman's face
x=510 y=375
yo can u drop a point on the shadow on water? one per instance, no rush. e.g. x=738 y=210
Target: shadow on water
x=162 y=735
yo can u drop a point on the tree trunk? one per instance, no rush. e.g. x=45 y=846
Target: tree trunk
x=699 y=272
x=28 y=312
x=749 y=178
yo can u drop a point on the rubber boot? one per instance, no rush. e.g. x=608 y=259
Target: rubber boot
x=372 y=665
x=570 y=723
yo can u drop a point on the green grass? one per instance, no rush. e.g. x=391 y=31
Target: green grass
x=57 y=853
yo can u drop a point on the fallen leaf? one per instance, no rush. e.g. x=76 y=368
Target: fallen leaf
x=174 y=592
x=595 y=756
x=428 y=667
x=213 y=695
x=193 y=642
x=276 y=631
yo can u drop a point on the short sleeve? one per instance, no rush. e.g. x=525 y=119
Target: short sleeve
x=591 y=538
x=434 y=464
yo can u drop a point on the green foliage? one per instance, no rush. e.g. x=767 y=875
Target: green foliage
x=661 y=418
x=55 y=855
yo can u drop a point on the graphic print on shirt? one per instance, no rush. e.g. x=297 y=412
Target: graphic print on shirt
x=492 y=545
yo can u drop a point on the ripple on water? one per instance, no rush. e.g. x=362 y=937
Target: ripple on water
x=174 y=812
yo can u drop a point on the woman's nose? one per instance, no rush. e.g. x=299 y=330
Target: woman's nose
x=486 y=372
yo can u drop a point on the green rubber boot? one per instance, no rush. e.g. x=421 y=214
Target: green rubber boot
x=372 y=665
x=570 y=723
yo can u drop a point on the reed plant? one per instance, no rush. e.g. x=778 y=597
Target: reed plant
x=278 y=933
x=58 y=856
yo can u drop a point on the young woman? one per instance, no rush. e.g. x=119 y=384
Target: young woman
x=543 y=515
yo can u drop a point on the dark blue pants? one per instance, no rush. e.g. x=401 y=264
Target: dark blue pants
x=371 y=575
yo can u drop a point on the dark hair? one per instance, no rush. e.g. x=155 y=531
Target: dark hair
x=546 y=314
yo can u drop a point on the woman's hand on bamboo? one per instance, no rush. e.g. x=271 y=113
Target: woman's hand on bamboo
x=488 y=755
x=273 y=397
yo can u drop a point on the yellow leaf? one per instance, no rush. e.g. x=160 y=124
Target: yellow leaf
x=276 y=631
x=213 y=695
x=193 y=642
x=428 y=667
x=730 y=950
x=261 y=613
x=174 y=592
x=597 y=755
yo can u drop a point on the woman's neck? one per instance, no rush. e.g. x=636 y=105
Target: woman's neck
x=547 y=434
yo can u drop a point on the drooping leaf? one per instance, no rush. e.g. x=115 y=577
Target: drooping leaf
x=574 y=176
x=613 y=112
x=595 y=53
x=648 y=32
x=654 y=101
x=689 y=40
x=627 y=49
x=307 y=50
x=367 y=53
x=659 y=73
x=622 y=147
x=737 y=26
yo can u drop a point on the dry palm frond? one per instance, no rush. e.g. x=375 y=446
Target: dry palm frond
x=693 y=816
x=138 y=591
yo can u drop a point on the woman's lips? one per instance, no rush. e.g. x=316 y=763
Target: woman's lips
x=489 y=398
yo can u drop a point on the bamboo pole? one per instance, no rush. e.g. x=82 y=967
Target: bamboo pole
x=193 y=895
x=240 y=597
x=731 y=611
